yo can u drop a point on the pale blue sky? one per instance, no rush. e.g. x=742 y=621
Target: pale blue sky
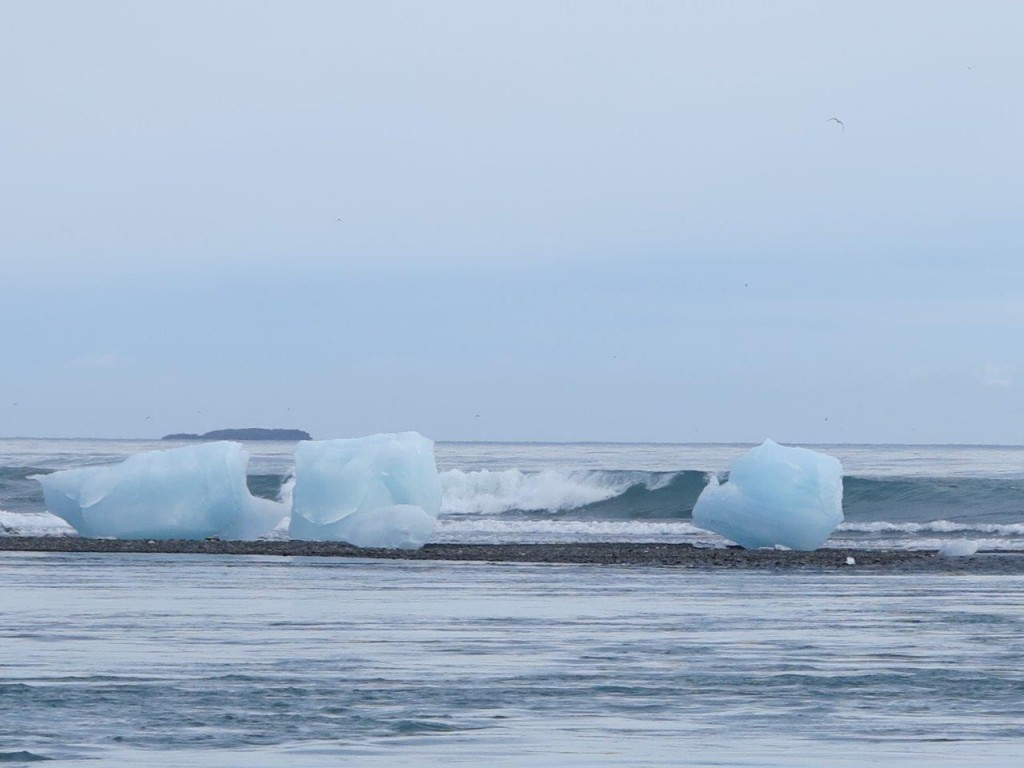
x=579 y=220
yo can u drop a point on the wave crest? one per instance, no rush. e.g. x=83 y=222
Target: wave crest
x=601 y=493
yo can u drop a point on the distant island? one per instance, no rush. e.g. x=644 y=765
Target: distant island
x=249 y=433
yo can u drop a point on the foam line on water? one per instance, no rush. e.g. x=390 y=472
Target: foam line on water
x=499 y=530
x=935 y=526
x=33 y=524
x=983 y=544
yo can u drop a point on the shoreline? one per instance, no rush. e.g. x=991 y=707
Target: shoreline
x=609 y=553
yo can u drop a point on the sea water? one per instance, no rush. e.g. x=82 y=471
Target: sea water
x=168 y=660
x=259 y=661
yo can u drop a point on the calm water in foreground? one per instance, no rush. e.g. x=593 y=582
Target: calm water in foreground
x=172 y=660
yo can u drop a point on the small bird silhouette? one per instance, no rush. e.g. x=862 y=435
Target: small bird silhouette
x=838 y=122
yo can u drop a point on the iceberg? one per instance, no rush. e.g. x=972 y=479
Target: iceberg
x=775 y=496
x=193 y=492
x=959 y=548
x=376 y=491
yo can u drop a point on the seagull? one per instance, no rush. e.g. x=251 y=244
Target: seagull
x=838 y=122
x=970 y=67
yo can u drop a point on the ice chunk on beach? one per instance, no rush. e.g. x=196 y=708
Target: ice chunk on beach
x=775 y=495
x=376 y=491
x=959 y=548
x=193 y=492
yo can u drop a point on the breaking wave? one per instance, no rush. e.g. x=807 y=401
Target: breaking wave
x=624 y=495
x=33 y=524
x=634 y=495
x=635 y=504
x=641 y=495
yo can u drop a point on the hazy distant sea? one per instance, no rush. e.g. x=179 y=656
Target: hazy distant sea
x=168 y=660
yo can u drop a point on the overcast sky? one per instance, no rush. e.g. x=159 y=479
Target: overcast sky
x=514 y=220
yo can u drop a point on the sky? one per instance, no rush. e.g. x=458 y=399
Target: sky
x=539 y=221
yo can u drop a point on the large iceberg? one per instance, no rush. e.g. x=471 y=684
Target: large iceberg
x=775 y=495
x=193 y=492
x=376 y=491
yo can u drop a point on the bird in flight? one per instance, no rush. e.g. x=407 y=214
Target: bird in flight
x=838 y=122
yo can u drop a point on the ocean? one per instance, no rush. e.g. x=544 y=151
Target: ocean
x=164 y=660
x=894 y=496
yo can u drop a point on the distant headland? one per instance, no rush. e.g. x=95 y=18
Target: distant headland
x=248 y=433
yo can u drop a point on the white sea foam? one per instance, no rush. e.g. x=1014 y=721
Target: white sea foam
x=934 y=526
x=933 y=535
x=33 y=524
x=489 y=492
x=466 y=529
x=931 y=543
x=485 y=530
x=491 y=530
x=287 y=491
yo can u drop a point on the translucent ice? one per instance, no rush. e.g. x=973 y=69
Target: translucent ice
x=775 y=495
x=959 y=548
x=377 y=491
x=186 y=493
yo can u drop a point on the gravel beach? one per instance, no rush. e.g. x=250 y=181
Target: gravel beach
x=617 y=553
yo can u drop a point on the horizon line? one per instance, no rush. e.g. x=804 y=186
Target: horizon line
x=561 y=442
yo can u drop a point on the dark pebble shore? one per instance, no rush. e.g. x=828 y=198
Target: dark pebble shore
x=612 y=553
